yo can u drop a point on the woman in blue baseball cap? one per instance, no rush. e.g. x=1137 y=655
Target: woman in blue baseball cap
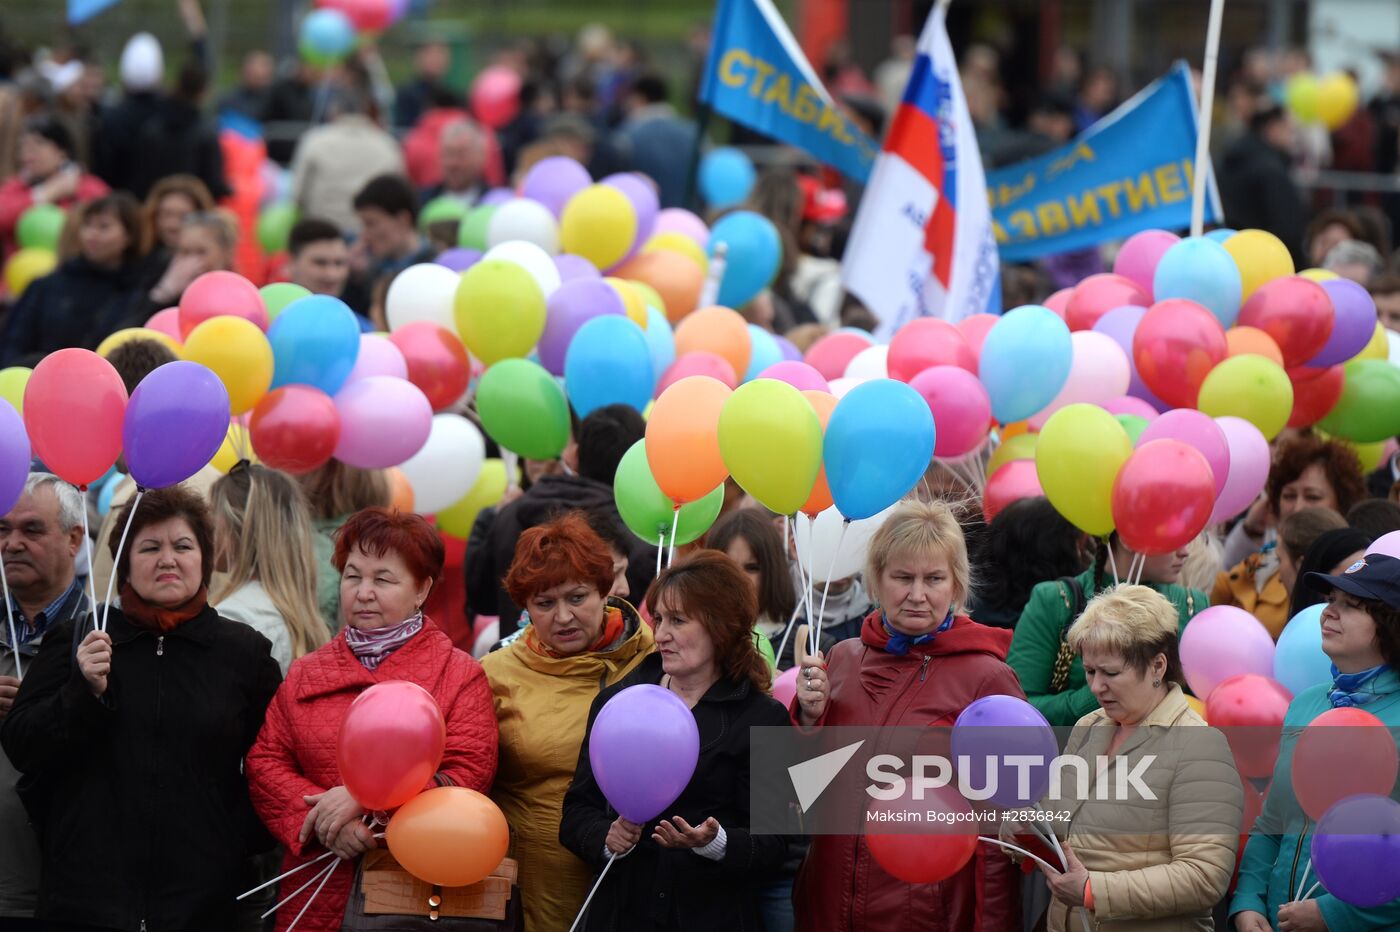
x=1361 y=634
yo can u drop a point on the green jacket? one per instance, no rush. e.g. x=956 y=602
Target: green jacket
x=327 y=577
x=1275 y=857
x=1036 y=643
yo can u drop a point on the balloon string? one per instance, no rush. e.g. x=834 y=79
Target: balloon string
x=315 y=893
x=324 y=872
x=596 y=884
x=1051 y=840
x=1307 y=869
x=511 y=460
x=675 y=523
x=10 y=614
x=801 y=599
x=87 y=543
x=1312 y=890
x=296 y=870
x=1112 y=562
x=121 y=545
x=660 y=549
x=813 y=619
x=826 y=585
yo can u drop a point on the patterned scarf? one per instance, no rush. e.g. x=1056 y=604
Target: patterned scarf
x=1348 y=689
x=899 y=643
x=376 y=644
x=163 y=620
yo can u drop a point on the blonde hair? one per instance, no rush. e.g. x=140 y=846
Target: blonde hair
x=264 y=532
x=1135 y=623
x=922 y=529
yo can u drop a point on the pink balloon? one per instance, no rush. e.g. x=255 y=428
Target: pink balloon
x=1387 y=545
x=1127 y=404
x=785 y=686
x=1099 y=294
x=1138 y=258
x=1196 y=430
x=383 y=422
x=1059 y=301
x=679 y=220
x=1249 y=467
x=962 y=410
x=1012 y=482
x=975 y=329
x=833 y=353
x=1221 y=642
x=1099 y=371
x=711 y=364
x=797 y=374
x=378 y=356
x=220 y=294
x=167 y=322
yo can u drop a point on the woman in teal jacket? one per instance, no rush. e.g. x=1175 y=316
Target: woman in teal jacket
x=1361 y=633
x=1051 y=674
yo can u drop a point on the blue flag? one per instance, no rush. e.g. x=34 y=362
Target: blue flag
x=80 y=11
x=1130 y=171
x=757 y=75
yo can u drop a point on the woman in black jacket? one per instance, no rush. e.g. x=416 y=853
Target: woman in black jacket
x=700 y=867
x=131 y=743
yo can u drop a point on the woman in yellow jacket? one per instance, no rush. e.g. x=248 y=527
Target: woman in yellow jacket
x=579 y=640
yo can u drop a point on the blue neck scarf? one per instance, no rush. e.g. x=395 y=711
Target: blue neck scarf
x=1348 y=689
x=900 y=643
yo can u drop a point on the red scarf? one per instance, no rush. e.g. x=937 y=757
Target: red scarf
x=612 y=629
x=148 y=615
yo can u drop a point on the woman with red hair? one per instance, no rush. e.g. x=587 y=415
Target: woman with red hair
x=388 y=563
x=578 y=639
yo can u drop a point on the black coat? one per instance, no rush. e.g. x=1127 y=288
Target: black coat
x=139 y=797
x=655 y=888
x=77 y=305
x=1257 y=192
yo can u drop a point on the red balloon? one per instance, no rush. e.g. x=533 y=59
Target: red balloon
x=1059 y=301
x=1163 y=497
x=833 y=353
x=926 y=342
x=391 y=744
x=295 y=428
x=917 y=850
x=1012 y=482
x=1297 y=312
x=74 y=405
x=1249 y=708
x=220 y=294
x=1315 y=393
x=364 y=15
x=975 y=329
x=1345 y=734
x=1098 y=294
x=495 y=96
x=437 y=361
x=697 y=363
x=1176 y=344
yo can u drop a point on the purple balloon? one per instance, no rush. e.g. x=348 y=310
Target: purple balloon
x=1355 y=849
x=573 y=304
x=1120 y=324
x=495 y=197
x=175 y=422
x=1354 y=322
x=383 y=422
x=573 y=267
x=994 y=728
x=378 y=356
x=643 y=747
x=790 y=351
x=459 y=259
x=641 y=191
x=797 y=374
x=15 y=457
x=553 y=181
x=1197 y=430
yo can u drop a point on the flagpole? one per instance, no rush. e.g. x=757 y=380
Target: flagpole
x=1198 y=198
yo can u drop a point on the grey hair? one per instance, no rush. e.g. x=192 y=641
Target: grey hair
x=1350 y=251
x=70 y=500
x=466 y=128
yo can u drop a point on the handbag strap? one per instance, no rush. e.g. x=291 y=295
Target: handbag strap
x=1072 y=594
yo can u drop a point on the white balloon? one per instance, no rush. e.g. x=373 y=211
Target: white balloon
x=818 y=551
x=447 y=466
x=1393 y=339
x=869 y=363
x=523 y=219
x=532 y=259
x=422 y=292
x=839 y=387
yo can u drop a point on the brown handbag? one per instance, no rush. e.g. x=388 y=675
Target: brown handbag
x=387 y=898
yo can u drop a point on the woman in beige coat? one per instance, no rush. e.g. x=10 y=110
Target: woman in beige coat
x=1153 y=861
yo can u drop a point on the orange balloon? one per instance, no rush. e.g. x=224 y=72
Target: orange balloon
x=675 y=276
x=820 y=500
x=1014 y=429
x=716 y=330
x=400 y=492
x=683 y=438
x=1243 y=341
x=450 y=836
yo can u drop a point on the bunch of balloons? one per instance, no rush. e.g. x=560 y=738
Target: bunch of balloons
x=36 y=234
x=1330 y=99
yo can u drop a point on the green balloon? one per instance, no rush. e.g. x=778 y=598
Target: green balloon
x=441 y=210
x=523 y=409
x=279 y=294
x=1134 y=425
x=647 y=511
x=472 y=233
x=1369 y=409
x=40 y=226
x=765 y=648
x=275 y=226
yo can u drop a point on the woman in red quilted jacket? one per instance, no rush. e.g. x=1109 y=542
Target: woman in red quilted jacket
x=388 y=562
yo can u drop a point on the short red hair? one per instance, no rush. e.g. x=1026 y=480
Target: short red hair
x=564 y=550
x=379 y=531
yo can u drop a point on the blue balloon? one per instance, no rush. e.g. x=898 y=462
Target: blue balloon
x=326 y=35
x=1025 y=361
x=315 y=341
x=1221 y=235
x=765 y=352
x=878 y=444
x=608 y=362
x=661 y=340
x=1298 y=658
x=1199 y=269
x=726 y=177
x=751 y=258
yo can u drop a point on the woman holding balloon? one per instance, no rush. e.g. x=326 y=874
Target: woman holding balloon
x=388 y=563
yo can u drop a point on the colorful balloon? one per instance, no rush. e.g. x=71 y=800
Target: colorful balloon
x=574 y=304
x=797 y=374
x=278 y=295
x=489 y=488
x=682 y=438
x=471 y=234
x=449 y=836
x=878 y=444
x=726 y=177
x=753 y=252
x=962 y=412
x=1012 y=482
x=693 y=364
x=436 y=360
x=1162 y=497
x=495 y=95
x=1224 y=641
x=378 y=356
x=1315 y=393
x=390 y=744
x=1176 y=345
x=13 y=380
x=1098 y=371
x=599 y=224
x=1198 y=431
x=914 y=855
x=1199 y=269
x=994 y=730
x=295 y=428
x=1249 y=467
x=1121 y=324
x=771 y=443
x=1354 y=322
x=1250 y=709
x=647 y=511
x=661 y=341
x=1078 y=456
x=608 y=362
x=643 y=747
x=383 y=421
x=1260 y=256
x=447 y=465
x=1140 y=255
x=215 y=294
x=315 y=342
x=831 y=354
x=26 y=265
x=1337 y=99
x=238 y=353
x=175 y=422
x=553 y=181
x=1296 y=312
x=1342 y=734
x=1369 y=409
x=500 y=310
x=716 y=330
x=521 y=219
x=1025 y=362
x=676 y=277
x=421 y=292
x=1098 y=294
x=1354 y=850
x=823 y=403
x=127 y=334
x=15 y=457
x=1245 y=341
x=523 y=409
x=74 y=405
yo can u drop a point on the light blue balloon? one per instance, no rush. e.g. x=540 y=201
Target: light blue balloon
x=752 y=258
x=878 y=444
x=608 y=362
x=1221 y=235
x=764 y=351
x=661 y=341
x=1298 y=658
x=1199 y=269
x=1025 y=361
x=326 y=35
x=108 y=486
x=726 y=177
x=315 y=341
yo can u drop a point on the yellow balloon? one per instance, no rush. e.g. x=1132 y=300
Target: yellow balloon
x=1019 y=447
x=25 y=266
x=499 y=309
x=1379 y=347
x=1249 y=387
x=1301 y=94
x=237 y=352
x=12 y=383
x=1370 y=454
x=678 y=242
x=1081 y=449
x=1337 y=99
x=122 y=337
x=632 y=299
x=236 y=446
x=1260 y=256
x=1318 y=275
x=1197 y=706
x=650 y=296
x=457 y=519
x=599 y=223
